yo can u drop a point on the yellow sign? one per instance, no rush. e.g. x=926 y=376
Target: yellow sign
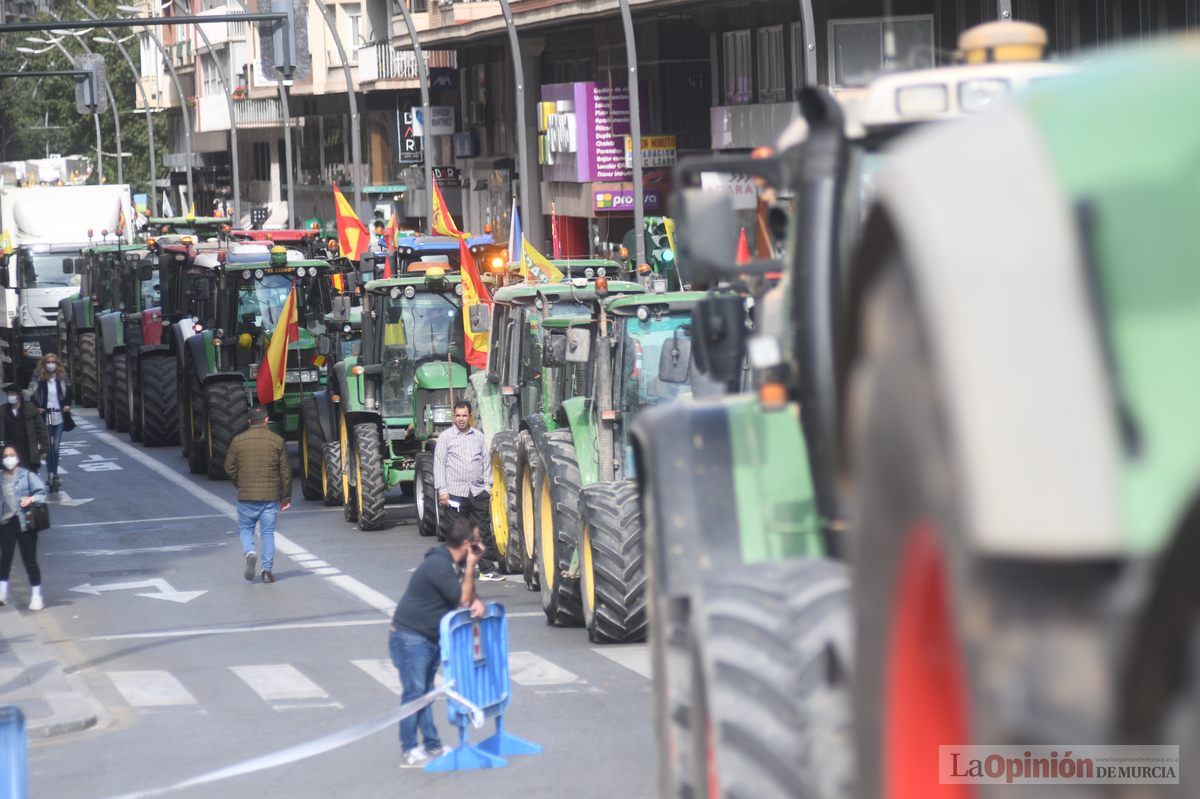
x=657 y=151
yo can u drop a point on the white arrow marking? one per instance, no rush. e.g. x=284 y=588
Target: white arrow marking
x=65 y=499
x=165 y=591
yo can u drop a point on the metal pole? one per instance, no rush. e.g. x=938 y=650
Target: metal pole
x=635 y=131
x=187 y=118
x=355 y=142
x=514 y=45
x=112 y=100
x=137 y=82
x=423 y=79
x=233 y=135
x=808 y=33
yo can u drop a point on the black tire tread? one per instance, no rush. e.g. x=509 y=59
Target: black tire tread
x=159 y=401
x=613 y=514
x=504 y=448
x=108 y=408
x=312 y=486
x=332 y=465
x=368 y=454
x=428 y=524
x=227 y=414
x=562 y=603
x=120 y=391
x=87 y=377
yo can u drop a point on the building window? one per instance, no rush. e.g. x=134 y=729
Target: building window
x=772 y=65
x=353 y=27
x=858 y=51
x=213 y=85
x=262 y=160
x=798 y=55
x=739 y=76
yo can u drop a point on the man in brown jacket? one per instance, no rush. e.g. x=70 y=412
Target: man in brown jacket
x=258 y=465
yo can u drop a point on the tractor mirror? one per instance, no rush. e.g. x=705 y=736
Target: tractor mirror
x=675 y=360
x=145 y=271
x=579 y=345
x=554 y=350
x=68 y=266
x=708 y=245
x=720 y=327
x=324 y=345
x=480 y=318
x=366 y=267
x=340 y=311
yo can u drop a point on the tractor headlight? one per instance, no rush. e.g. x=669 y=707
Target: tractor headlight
x=601 y=272
x=410 y=292
x=247 y=274
x=443 y=414
x=310 y=375
x=253 y=370
x=458 y=289
x=259 y=274
x=589 y=272
x=301 y=272
x=292 y=375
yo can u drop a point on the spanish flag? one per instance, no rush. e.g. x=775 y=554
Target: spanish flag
x=391 y=232
x=442 y=223
x=474 y=293
x=534 y=266
x=120 y=218
x=272 y=370
x=353 y=236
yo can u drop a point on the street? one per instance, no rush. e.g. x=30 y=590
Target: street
x=195 y=670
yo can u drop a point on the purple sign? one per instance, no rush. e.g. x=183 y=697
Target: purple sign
x=620 y=199
x=583 y=126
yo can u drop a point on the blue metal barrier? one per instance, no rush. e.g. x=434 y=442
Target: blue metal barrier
x=475 y=658
x=12 y=753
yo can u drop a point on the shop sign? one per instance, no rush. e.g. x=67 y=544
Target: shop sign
x=620 y=200
x=410 y=141
x=745 y=193
x=447 y=176
x=657 y=151
x=581 y=128
x=441 y=120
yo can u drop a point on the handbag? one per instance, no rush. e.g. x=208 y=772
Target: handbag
x=68 y=422
x=39 y=517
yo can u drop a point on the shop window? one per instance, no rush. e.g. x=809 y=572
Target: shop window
x=858 y=51
x=772 y=65
x=739 y=78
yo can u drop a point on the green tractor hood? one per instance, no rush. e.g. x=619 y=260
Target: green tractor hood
x=437 y=375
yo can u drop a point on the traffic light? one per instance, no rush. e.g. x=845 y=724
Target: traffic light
x=658 y=247
x=283 y=38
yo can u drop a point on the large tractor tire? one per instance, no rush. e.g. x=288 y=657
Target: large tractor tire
x=429 y=513
x=331 y=469
x=349 y=506
x=772 y=697
x=87 y=376
x=61 y=348
x=227 y=413
x=503 y=458
x=559 y=527
x=370 y=487
x=529 y=474
x=133 y=398
x=119 y=391
x=312 y=451
x=193 y=425
x=612 y=564
x=108 y=404
x=158 y=401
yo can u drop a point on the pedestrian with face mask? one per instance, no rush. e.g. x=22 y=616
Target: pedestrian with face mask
x=52 y=395
x=22 y=428
x=20 y=490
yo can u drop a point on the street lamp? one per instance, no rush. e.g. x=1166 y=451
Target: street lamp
x=108 y=40
x=31 y=51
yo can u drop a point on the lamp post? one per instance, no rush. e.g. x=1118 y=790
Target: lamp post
x=514 y=45
x=423 y=81
x=635 y=132
x=95 y=114
x=137 y=82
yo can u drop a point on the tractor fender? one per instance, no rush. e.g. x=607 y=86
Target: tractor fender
x=576 y=410
x=112 y=331
x=537 y=427
x=181 y=331
x=213 y=378
x=152 y=351
x=326 y=413
x=363 y=417
x=66 y=307
x=488 y=411
x=81 y=308
x=202 y=358
x=1013 y=338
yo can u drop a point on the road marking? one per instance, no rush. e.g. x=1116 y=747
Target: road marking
x=151 y=688
x=165 y=591
x=65 y=499
x=526 y=668
x=283 y=544
x=327 y=570
x=635 y=657
x=278 y=682
x=146 y=521
x=316 y=563
x=141 y=550
x=229 y=630
x=382 y=671
x=526 y=614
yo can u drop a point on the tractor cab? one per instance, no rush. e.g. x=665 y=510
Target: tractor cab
x=307 y=242
x=201 y=228
x=421 y=253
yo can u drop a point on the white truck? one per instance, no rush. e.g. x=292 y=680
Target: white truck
x=47 y=225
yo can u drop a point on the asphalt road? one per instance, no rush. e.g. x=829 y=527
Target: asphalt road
x=198 y=670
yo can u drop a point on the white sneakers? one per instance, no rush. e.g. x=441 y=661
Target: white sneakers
x=3 y=591
x=414 y=758
x=35 y=601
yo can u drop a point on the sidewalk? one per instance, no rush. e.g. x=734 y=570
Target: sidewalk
x=32 y=679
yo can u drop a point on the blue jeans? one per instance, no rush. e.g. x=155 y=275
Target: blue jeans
x=55 y=432
x=263 y=514
x=417 y=659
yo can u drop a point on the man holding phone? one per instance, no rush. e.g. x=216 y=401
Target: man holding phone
x=461 y=477
x=434 y=589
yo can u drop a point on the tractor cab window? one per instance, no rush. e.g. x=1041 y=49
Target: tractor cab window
x=428 y=327
x=149 y=290
x=640 y=358
x=502 y=316
x=260 y=302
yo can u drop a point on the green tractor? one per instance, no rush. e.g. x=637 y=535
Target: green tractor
x=320 y=448
x=509 y=393
x=97 y=268
x=397 y=394
x=136 y=288
x=220 y=361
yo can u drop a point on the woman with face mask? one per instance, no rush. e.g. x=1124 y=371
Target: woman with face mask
x=20 y=490
x=52 y=395
x=22 y=428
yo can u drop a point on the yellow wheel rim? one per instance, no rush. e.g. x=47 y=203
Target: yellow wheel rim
x=527 y=523
x=324 y=477
x=304 y=453
x=549 y=564
x=499 y=506
x=345 y=476
x=589 y=576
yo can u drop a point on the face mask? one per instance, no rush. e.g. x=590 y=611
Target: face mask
x=13 y=399
x=50 y=367
x=10 y=462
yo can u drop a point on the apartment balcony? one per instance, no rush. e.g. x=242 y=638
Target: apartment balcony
x=257 y=112
x=181 y=55
x=220 y=33
x=382 y=62
x=212 y=113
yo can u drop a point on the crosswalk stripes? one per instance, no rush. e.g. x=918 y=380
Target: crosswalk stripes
x=283 y=686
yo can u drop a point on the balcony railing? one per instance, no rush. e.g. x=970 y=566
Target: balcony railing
x=381 y=61
x=220 y=32
x=257 y=112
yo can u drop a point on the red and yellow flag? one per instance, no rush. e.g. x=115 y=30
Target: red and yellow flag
x=391 y=231
x=272 y=370
x=474 y=293
x=120 y=217
x=353 y=236
x=442 y=223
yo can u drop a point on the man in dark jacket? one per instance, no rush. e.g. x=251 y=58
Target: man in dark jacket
x=22 y=428
x=434 y=589
x=258 y=465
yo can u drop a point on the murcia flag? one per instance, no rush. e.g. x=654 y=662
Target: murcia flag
x=273 y=369
x=353 y=236
x=534 y=266
x=474 y=293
